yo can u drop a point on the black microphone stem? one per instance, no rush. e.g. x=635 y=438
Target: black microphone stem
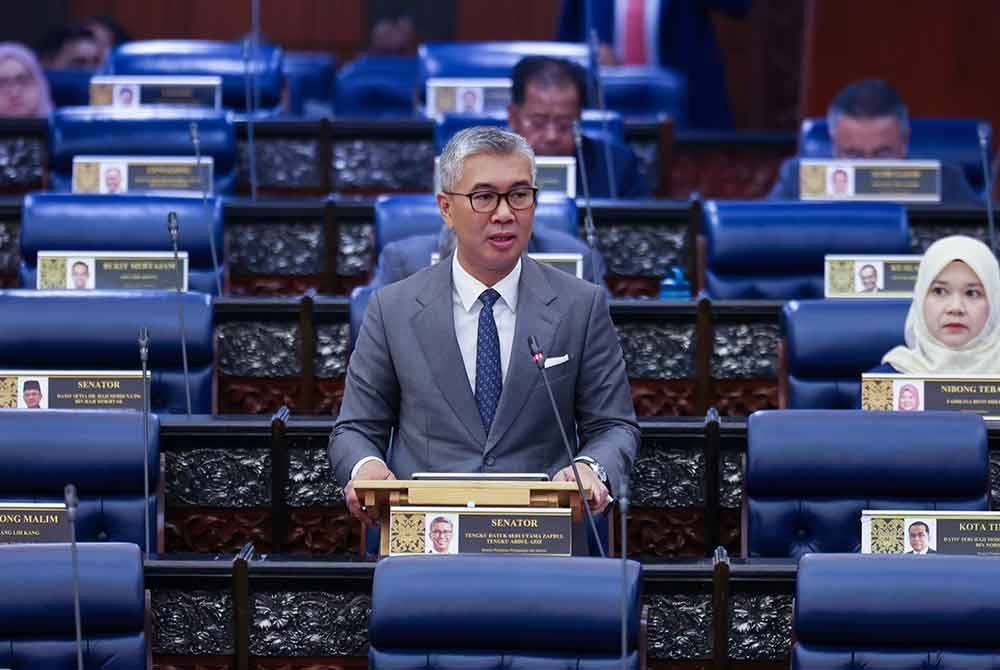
x=983 y=150
x=71 y=507
x=173 y=229
x=588 y=211
x=196 y=141
x=144 y=358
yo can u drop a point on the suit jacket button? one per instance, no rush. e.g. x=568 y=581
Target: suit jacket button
x=490 y=460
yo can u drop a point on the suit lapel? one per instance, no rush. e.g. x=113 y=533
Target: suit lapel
x=434 y=326
x=535 y=316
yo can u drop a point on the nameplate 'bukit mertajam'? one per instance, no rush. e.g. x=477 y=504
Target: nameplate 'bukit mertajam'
x=22 y=523
x=116 y=270
x=71 y=389
x=479 y=530
x=917 y=393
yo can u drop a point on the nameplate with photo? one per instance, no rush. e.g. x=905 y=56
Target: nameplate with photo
x=161 y=175
x=453 y=95
x=480 y=530
x=885 y=180
x=924 y=532
x=32 y=523
x=917 y=393
x=114 y=270
x=556 y=174
x=138 y=92
x=870 y=276
x=71 y=389
x=568 y=262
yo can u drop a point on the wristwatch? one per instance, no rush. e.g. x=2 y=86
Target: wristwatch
x=598 y=469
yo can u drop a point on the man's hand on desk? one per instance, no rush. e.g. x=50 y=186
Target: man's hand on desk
x=598 y=491
x=373 y=470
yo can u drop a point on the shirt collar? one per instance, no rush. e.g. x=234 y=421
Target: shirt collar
x=469 y=288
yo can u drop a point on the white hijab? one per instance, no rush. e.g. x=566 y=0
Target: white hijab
x=925 y=354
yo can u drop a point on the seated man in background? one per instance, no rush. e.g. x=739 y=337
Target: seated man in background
x=547 y=96
x=868 y=120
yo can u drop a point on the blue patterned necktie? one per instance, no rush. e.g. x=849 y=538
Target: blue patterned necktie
x=489 y=378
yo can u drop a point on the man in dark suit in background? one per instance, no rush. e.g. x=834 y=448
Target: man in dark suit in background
x=868 y=120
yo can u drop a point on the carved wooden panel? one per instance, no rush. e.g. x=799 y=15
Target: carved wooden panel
x=673 y=533
x=743 y=397
x=306 y=663
x=164 y=662
x=274 y=284
x=632 y=287
x=254 y=395
x=725 y=171
x=663 y=397
x=330 y=393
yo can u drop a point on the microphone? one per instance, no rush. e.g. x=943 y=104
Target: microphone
x=623 y=507
x=173 y=229
x=249 y=77
x=144 y=358
x=196 y=141
x=984 y=152
x=72 y=501
x=599 y=87
x=538 y=356
x=588 y=211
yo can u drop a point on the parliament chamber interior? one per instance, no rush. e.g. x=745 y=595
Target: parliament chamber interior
x=674 y=323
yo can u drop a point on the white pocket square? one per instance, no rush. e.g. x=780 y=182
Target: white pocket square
x=556 y=360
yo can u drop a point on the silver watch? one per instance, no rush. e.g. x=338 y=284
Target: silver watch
x=599 y=470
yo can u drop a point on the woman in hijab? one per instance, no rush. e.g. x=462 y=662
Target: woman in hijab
x=952 y=325
x=24 y=90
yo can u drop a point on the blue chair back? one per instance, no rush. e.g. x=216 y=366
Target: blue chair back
x=69 y=87
x=96 y=330
x=809 y=473
x=310 y=76
x=377 y=86
x=829 y=343
x=69 y=222
x=206 y=57
x=592 y=123
x=955 y=141
x=489 y=59
x=79 y=131
x=37 y=609
x=775 y=250
x=359 y=303
x=884 y=612
x=644 y=92
x=100 y=452
x=461 y=611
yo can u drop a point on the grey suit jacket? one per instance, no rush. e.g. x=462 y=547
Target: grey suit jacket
x=406 y=375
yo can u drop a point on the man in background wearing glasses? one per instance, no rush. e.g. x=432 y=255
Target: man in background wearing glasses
x=442 y=363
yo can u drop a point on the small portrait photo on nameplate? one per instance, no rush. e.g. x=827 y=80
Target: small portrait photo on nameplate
x=479 y=530
x=112 y=270
x=135 y=92
x=159 y=175
x=916 y=393
x=870 y=276
x=868 y=180
x=71 y=389
x=452 y=95
x=928 y=532
x=33 y=523
x=555 y=174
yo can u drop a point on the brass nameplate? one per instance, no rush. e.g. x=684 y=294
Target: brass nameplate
x=886 y=180
x=452 y=95
x=51 y=389
x=28 y=523
x=916 y=393
x=870 y=276
x=81 y=270
x=164 y=175
x=136 y=92
x=556 y=174
x=930 y=532
x=479 y=530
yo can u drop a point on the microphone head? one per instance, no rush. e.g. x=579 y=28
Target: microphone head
x=172 y=226
x=984 y=132
x=144 y=338
x=537 y=354
x=69 y=493
x=193 y=131
x=577 y=133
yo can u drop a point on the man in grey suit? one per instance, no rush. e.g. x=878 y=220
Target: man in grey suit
x=442 y=361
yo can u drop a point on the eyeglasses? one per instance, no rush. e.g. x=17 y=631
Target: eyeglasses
x=441 y=532
x=22 y=80
x=486 y=202
x=538 y=122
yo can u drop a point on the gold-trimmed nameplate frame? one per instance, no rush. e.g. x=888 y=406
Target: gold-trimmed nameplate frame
x=869 y=276
x=918 y=393
x=480 y=530
x=883 y=180
x=71 y=389
x=32 y=523
x=115 y=270
x=925 y=532
x=160 y=175
x=129 y=92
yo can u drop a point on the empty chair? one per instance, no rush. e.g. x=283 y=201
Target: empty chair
x=69 y=87
x=310 y=77
x=97 y=330
x=592 y=122
x=644 y=92
x=376 y=86
x=775 y=250
x=100 y=452
x=69 y=222
x=828 y=344
x=888 y=612
x=503 y=612
x=809 y=473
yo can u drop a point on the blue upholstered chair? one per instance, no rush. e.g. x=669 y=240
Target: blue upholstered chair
x=69 y=222
x=955 y=141
x=827 y=344
x=206 y=57
x=101 y=452
x=359 y=303
x=884 y=612
x=99 y=131
x=97 y=330
x=644 y=92
x=592 y=123
x=809 y=473
x=503 y=612
x=774 y=250
x=310 y=77
x=377 y=87
x=400 y=216
x=488 y=59
x=69 y=87
x=37 y=609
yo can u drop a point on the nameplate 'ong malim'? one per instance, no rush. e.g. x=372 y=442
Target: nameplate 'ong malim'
x=885 y=180
x=124 y=92
x=869 y=276
x=917 y=393
x=28 y=523
x=480 y=530
x=71 y=389
x=458 y=95
x=115 y=270
x=925 y=532
x=154 y=175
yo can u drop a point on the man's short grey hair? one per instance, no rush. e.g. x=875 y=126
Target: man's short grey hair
x=442 y=519
x=479 y=140
x=867 y=99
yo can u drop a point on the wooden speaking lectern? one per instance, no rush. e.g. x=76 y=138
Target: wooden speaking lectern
x=503 y=502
